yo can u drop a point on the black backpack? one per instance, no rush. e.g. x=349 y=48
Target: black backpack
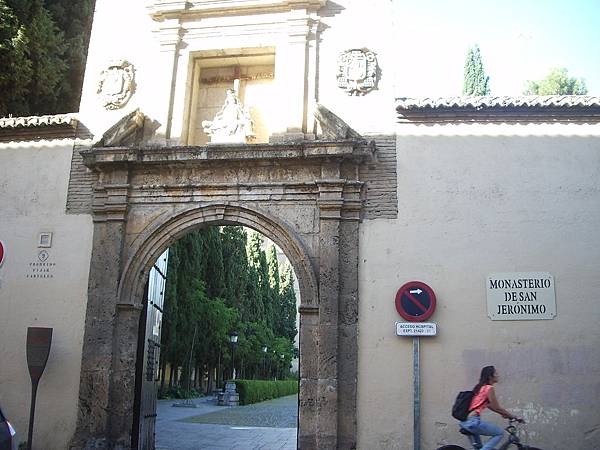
x=460 y=409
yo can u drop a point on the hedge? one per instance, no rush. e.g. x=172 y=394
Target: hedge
x=254 y=391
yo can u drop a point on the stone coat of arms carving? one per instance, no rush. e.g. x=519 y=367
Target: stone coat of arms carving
x=357 y=71
x=117 y=84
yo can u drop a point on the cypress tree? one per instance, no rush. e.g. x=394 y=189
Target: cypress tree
x=475 y=80
x=288 y=305
x=211 y=254
x=235 y=262
x=258 y=260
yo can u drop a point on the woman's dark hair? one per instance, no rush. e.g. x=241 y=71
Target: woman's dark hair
x=486 y=377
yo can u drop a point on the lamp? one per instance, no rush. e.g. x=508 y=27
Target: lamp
x=264 y=361
x=233 y=338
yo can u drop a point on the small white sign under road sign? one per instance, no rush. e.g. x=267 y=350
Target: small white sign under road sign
x=416 y=329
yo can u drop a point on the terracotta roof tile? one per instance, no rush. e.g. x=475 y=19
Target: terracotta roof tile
x=39 y=121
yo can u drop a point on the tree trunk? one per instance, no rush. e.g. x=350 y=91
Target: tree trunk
x=163 y=373
x=171 y=375
x=211 y=380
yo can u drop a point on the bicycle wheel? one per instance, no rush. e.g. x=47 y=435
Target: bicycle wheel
x=452 y=447
x=527 y=447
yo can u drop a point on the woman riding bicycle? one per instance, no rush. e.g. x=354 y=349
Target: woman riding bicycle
x=485 y=397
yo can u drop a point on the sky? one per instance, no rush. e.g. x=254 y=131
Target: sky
x=520 y=40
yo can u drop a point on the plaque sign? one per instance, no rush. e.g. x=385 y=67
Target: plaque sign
x=521 y=296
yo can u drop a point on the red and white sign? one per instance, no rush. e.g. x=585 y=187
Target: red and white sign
x=415 y=301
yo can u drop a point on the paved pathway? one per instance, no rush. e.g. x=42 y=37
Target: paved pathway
x=269 y=425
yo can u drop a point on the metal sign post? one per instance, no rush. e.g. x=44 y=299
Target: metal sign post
x=416 y=395
x=38 y=349
x=415 y=302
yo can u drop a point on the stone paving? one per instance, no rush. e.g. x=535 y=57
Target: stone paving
x=269 y=425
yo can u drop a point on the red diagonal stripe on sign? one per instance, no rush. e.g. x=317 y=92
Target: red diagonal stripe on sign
x=415 y=301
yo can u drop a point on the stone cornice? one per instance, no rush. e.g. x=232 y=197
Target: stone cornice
x=165 y=9
x=568 y=108
x=349 y=149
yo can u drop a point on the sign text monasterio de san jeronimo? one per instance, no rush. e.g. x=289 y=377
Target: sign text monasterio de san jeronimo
x=521 y=296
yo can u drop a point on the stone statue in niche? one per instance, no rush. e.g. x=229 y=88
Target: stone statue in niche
x=117 y=84
x=357 y=71
x=232 y=124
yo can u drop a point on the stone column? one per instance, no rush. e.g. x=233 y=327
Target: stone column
x=96 y=400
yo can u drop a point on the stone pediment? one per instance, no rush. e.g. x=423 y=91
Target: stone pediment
x=164 y=9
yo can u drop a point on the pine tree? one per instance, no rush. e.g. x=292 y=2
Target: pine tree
x=475 y=80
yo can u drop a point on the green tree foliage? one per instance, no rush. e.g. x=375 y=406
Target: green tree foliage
x=476 y=82
x=235 y=262
x=15 y=66
x=42 y=55
x=74 y=19
x=257 y=259
x=287 y=323
x=212 y=262
x=557 y=82
x=219 y=280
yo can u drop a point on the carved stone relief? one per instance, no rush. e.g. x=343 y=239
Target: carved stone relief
x=116 y=84
x=357 y=71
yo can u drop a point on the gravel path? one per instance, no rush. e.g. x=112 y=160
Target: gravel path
x=269 y=425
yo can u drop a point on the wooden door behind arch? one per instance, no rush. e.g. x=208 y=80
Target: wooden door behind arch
x=147 y=372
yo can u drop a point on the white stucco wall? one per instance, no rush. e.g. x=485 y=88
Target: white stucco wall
x=33 y=189
x=352 y=24
x=473 y=200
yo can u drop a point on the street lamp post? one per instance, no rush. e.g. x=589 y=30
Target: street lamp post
x=233 y=338
x=264 y=358
x=282 y=356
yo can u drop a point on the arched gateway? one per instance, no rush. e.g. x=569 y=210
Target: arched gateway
x=305 y=196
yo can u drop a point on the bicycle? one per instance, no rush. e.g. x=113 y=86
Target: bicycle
x=513 y=439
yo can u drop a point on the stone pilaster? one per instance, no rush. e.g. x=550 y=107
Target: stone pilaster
x=290 y=76
x=348 y=317
x=309 y=377
x=330 y=202
x=169 y=33
x=95 y=427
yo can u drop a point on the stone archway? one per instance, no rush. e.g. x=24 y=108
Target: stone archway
x=305 y=196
